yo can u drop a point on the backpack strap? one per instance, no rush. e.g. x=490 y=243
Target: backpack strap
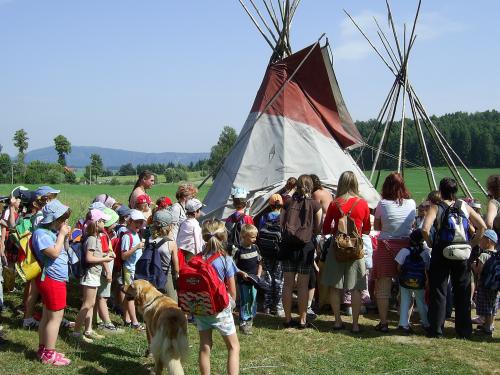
x=352 y=207
x=350 y=211
x=157 y=245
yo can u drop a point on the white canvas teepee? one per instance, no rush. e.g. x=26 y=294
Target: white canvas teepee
x=298 y=124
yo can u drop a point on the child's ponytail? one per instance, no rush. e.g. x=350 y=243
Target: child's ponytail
x=214 y=234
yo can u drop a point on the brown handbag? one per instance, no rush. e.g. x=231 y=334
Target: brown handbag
x=347 y=242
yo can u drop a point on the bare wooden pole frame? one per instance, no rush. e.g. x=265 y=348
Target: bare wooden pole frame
x=257 y=25
x=263 y=21
x=272 y=16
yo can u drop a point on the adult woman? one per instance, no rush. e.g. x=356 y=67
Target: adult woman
x=349 y=275
x=183 y=194
x=302 y=212
x=493 y=213
x=442 y=268
x=394 y=218
x=144 y=182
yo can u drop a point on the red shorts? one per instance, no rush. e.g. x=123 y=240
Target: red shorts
x=53 y=293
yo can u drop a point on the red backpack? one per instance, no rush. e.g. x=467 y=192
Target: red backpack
x=199 y=288
x=116 y=243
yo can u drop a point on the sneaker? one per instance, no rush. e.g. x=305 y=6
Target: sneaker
x=311 y=315
x=93 y=335
x=110 y=328
x=280 y=313
x=245 y=328
x=478 y=320
x=65 y=323
x=78 y=336
x=267 y=311
x=137 y=326
x=54 y=358
x=30 y=323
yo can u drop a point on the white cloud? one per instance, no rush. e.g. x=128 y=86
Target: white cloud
x=353 y=46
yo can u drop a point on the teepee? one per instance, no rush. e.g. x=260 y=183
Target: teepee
x=298 y=123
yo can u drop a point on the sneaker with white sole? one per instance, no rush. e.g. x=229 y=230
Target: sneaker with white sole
x=30 y=323
x=311 y=315
x=110 y=328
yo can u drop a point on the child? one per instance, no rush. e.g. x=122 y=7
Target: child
x=237 y=218
x=104 y=291
x=163 y=224
x=131 y=247
x=91 y=280
x=49 y=241
x=272 y=267
x=189 y=239
x=413 y=264
x=486 y=300
x=214 y=234
x=249 y=262
x=142 y=203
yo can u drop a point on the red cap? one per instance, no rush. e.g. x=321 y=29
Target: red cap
x=164 y=202
x=144 y=198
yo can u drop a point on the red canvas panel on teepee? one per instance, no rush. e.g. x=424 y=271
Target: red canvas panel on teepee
x=309 y=97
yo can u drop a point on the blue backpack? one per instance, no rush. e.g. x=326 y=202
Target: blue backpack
x=454 y=226
x=413 y=270
x=148 y=266
x=490 y=275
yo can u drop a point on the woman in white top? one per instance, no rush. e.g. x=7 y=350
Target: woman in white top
x=394 y=218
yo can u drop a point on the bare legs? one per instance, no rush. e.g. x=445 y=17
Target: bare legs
x=233 y=352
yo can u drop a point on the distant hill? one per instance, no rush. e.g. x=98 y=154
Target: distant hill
x=113 y=158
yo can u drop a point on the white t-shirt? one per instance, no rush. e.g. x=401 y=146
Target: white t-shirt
x=397 y=220
x=179 y=214
x=189 y=236
x=404 y=252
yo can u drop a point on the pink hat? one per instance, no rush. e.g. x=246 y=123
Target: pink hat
x=96 y=215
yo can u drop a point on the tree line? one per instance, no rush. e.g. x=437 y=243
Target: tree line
x=473 y=136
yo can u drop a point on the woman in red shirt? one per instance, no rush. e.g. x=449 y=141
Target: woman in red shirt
x=350 y=275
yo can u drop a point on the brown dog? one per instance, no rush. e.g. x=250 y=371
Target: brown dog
x=166 y=326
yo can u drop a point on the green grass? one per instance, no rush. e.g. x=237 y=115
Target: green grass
x=270 y=350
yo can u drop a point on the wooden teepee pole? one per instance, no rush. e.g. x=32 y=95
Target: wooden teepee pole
x=264 y=21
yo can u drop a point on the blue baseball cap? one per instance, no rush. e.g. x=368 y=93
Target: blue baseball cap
x=46 y=190
x=123 y=210
x=491 y=235
x=53 y=211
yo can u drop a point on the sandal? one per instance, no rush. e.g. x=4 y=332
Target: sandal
x=338 y=328
x=137 y=326
x=382 y=327
x=290 y=324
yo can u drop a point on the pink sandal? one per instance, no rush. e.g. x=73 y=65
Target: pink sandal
x=54 y=358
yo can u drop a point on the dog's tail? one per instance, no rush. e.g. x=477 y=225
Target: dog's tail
x=172 y=344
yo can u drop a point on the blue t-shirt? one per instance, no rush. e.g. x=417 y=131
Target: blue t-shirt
x=56 y=269
x=129 y=263
x=224 y=266
x=270 y=216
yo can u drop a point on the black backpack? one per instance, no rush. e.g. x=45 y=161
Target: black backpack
x=148 y=266
x=269 y=238
x=490 y=275
x=413 y=270
x=233 y=228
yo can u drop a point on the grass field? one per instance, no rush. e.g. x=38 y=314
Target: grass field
x=270 y=350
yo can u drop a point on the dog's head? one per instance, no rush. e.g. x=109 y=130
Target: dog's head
x=138 y=291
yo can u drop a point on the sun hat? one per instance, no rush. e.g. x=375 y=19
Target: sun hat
x=123 y=210
x=143 y=198
x=136 y=215
x=16 y=192
x=46 y=190
x=113 y=217
x=105 y=199
x=53 y=211
x=276 y=199
x=164 y=202
x=96 y=215
x=97 y=206
x=239 y=192
x=164 y=217
x=193 y=205
x=491 y=235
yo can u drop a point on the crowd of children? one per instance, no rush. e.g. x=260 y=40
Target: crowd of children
x=107 y=244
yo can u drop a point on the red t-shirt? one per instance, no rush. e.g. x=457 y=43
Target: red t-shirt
x=360 y=214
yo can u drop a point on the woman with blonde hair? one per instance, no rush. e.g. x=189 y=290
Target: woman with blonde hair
x=184 y=193
x=215 y=235
x=300 y=220
x=348 y=275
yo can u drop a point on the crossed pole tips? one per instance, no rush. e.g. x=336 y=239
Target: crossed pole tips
x=396 y=56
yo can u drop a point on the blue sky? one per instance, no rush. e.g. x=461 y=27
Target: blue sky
x=167 y=75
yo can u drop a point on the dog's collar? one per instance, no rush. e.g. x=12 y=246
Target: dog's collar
x=150 y=303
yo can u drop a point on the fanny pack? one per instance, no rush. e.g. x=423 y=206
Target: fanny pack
x=457 y=251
